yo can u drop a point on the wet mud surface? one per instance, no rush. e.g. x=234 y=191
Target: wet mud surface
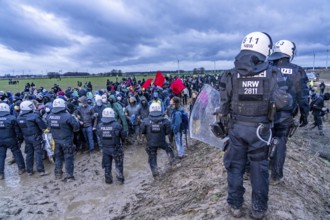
x=194 y=188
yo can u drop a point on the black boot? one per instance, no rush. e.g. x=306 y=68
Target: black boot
x=108 y=179
x=320 y=127
x=155 y=173
x=170 y=156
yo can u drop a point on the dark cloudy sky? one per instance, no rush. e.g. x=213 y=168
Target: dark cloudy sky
x=142 y=35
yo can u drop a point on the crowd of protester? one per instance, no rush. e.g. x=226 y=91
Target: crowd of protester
x=129 y=98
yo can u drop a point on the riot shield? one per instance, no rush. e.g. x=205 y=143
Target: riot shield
x=201 y=117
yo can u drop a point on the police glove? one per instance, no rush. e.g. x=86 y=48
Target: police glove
x=303 y=121
x=220 y=127
x=217 y=111
x=219 y=115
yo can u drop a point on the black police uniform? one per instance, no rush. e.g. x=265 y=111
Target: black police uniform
x=245 y=95
x=32 y=125
x=296 y=80
x=62 y=126
x=316 y=106
x=111 y=133
x=156 y=127
x=11 y=137
x=322 y=88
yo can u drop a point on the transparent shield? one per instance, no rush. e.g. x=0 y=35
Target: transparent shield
x=202 y=116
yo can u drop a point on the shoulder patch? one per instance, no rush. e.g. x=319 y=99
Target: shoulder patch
x=286 y=71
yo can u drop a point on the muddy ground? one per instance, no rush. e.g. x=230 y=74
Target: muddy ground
x=195 y=188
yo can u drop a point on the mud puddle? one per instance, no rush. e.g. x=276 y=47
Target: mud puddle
x=88 y=197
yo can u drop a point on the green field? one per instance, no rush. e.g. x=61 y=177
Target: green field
x=64 y=83
x=324 y=75
x=97 y=82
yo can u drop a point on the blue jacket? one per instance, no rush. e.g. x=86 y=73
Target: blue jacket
x=9 y=130
x=31 y=124
x=62 y=126
x=176 y=119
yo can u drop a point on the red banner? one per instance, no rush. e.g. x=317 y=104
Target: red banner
x=177 y=86
x=147 y=83
x=160 y=79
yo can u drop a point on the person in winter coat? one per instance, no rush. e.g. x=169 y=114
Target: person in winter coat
x=176 y=121
x=131 y=112
x=119 y=112
x=86 y=116
x=142 y=114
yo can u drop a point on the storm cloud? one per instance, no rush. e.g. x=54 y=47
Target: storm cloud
x=146 y=35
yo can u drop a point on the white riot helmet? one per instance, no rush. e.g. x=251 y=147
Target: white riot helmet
x=98 y=100
x=259 y=42
x=4 y=109
x=27 y=106
x=282 y=49
x=108 y=114
x=155 y=107
x=58 y=105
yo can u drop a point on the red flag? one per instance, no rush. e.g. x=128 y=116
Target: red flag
x=177 y=86
x=160 y=79
x=147 y=83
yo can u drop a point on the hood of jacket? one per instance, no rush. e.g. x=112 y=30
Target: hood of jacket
x=250 y=63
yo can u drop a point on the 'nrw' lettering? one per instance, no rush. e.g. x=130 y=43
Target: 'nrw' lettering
x=250 y=83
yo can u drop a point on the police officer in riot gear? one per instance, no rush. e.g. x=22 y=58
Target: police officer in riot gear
x=245 y=100
x=296 y=80
x=62 y=126
x=32 y=126
x=156 y=127
x=11 y=138
x=316 y=106
x=111 y=134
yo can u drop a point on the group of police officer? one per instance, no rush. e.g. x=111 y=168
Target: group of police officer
x=29 y=127
x=259 y=98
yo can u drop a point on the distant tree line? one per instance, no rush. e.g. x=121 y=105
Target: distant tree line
x=115 y=72
x=111 y=73
x=76 y=74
